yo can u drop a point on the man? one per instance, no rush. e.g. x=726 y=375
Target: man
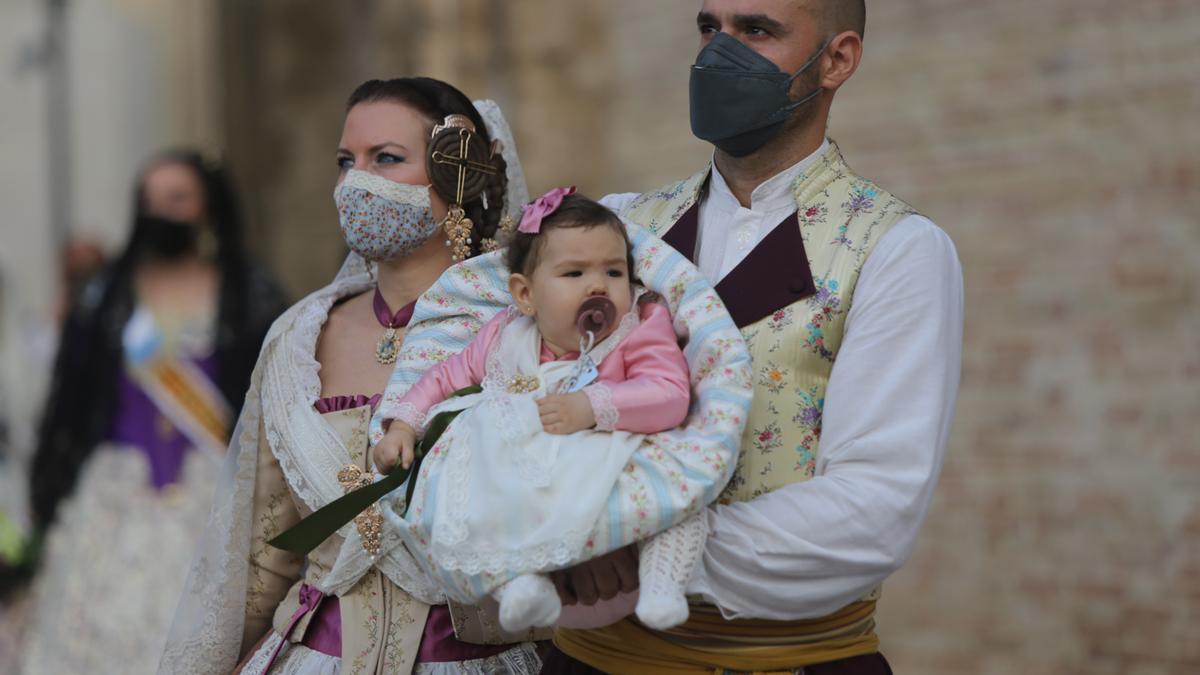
x=851 y=305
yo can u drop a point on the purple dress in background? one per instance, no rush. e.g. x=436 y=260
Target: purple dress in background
x=138 y=423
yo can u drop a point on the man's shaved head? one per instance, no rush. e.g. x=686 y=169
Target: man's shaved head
x=817 y=42
x=837 y=16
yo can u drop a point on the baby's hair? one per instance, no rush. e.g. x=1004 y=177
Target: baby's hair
x=576 y=210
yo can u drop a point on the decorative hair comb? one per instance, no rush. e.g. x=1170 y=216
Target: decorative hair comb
x=459 y=173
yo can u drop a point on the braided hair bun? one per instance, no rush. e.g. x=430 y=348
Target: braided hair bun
x=459 y=162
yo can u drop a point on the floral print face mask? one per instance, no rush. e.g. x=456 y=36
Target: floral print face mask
x=382 y=219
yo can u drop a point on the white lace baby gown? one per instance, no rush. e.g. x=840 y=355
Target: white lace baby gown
x=498 y=496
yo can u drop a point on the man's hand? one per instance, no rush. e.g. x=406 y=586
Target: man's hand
x=599 y=578
x=566 y=413
x=398 y=443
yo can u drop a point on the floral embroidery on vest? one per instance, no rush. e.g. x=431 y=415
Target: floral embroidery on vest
x=794 y=348
x=811 y=216
x=772 y=378
x=826 y=306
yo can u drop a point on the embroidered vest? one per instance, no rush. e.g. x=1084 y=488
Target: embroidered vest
x=790 y=297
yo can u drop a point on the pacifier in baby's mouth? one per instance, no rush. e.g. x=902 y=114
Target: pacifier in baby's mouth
x=595 y=316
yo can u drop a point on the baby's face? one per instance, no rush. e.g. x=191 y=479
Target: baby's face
x=575 y=264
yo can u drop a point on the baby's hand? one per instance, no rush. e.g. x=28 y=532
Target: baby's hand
x=566 y=413
x=397 y=444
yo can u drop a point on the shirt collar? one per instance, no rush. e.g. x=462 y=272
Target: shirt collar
x=773 y=194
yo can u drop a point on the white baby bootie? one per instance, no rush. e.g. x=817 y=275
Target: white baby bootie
x=664 y=567
x=528 y=601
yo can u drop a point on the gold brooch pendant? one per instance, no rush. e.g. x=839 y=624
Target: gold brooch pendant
x=523 y=384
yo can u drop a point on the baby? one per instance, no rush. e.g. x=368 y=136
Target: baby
x=573 y=374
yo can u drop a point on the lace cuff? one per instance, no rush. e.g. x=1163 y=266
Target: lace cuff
x=606 y=413
x=407 y=413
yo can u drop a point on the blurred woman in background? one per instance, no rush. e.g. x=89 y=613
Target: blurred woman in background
x=152 y=367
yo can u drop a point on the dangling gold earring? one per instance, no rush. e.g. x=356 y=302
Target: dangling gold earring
x=458 y=233
x=504 y=234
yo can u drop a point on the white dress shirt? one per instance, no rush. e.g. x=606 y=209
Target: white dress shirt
x=810 y=548
x=729 y=231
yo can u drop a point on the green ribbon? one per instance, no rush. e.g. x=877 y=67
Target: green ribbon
x=12 y=541
x=321 y=524
x=19 y=552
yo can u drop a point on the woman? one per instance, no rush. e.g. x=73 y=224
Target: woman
x=154 y=360
x=357 y=603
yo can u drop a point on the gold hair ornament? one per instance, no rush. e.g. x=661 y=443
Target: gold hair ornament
x=458 y=226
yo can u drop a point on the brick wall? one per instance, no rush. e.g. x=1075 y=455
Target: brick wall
x=1059 y=144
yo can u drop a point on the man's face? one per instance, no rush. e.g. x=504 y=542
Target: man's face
x=784 y=31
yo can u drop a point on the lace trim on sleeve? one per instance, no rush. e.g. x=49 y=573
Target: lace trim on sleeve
x=600 y=395
x=407 y=413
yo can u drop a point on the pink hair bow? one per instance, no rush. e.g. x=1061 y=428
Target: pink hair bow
x=531 y=218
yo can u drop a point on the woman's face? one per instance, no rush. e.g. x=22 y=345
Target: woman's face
x=390 y=140
x=173 y=191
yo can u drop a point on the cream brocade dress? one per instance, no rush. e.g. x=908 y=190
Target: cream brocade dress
x=381 y=624
x=284 y=462
x=376 y=616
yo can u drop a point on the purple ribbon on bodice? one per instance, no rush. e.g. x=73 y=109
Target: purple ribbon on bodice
x=310 y=597
x=330 y=404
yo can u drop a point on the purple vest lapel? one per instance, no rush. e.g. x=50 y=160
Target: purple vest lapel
x=682 y=235
x=774 y=275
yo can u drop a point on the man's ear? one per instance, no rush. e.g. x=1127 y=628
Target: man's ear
x=522 y=292
x=844 y=53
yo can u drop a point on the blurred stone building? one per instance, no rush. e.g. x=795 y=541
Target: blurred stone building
x=1057 y=142
x=596 y=93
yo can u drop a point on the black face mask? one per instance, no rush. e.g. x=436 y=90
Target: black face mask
x=165 y=238
x=739 y=98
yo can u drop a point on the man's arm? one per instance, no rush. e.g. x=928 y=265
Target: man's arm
x=808 y=549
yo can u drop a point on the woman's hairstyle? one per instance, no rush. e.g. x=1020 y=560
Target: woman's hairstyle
x=435 y=100
x=237 y=350
x=83 y=389
x=221 y=210
x=576 y=210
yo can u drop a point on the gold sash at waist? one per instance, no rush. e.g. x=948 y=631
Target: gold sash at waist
x=708 y=643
